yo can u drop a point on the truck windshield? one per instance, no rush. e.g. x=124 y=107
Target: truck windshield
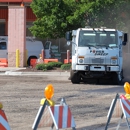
x=97 y=38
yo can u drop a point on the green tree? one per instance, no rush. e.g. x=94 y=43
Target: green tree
x=55 y=17
x=111 y=13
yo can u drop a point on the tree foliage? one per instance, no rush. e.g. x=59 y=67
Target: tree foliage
x=55 y=17
x=111 y=13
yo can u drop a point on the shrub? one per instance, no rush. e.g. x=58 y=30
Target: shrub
x=50 y=66
x=39 y=66
x=66 y=66
x=55 y=64
x=43 y=67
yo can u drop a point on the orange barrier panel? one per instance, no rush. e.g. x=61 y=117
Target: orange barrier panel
x=66 y=61
x=3 y=121
x=33 y=62
x=50 y=60
x=3 y=62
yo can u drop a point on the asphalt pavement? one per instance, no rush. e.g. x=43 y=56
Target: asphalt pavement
x=49 y=75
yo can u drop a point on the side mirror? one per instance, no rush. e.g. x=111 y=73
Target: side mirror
x=125 y=39
x=68 y=43
x=68 y=36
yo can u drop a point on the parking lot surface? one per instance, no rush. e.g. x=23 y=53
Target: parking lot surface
x=89 y=103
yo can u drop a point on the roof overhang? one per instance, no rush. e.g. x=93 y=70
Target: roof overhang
x=16 y=1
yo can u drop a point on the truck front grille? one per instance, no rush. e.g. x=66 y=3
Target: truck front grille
x=97 y=61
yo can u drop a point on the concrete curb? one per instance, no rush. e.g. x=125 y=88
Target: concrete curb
x=62 y=74
x=13 y=71
x=10 y=69
x=57 y=76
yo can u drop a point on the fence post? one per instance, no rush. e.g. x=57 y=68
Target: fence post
x=43 y=54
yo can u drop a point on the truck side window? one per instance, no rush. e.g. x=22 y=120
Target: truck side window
x=3 y=46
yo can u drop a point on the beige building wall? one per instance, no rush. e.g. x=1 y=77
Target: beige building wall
x=16 y=34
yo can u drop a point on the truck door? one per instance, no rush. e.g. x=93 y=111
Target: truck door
x=47 y=49
x=3 y=49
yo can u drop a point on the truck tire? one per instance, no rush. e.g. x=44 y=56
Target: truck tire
x=116 y=80
x=74 y=77
x=29 y=59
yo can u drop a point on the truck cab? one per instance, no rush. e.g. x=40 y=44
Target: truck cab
x=96 y=53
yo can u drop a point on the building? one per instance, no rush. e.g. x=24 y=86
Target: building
x=12 y=14
x=4 y=4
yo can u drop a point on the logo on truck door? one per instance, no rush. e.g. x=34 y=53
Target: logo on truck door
x=99 y=52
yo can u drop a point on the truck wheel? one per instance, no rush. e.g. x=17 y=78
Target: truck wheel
x=74 y=77
x=116 y=79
